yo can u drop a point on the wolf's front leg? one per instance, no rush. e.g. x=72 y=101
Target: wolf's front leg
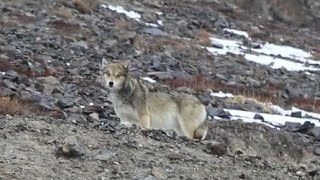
x=144 y=117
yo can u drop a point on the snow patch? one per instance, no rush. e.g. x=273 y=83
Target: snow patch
x=160 y=22
x=3 y=73
x=221 y=94
x=294 y=109
x=159 y=13
x=148 y=79
x=231 y=46
x=152 y=24
x=271 y=119
x=121 y=10
x=290 y=58
x=237 y=32
x=278 y=63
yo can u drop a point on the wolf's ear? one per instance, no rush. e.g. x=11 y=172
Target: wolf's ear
x=126 y=64
x=104 y=63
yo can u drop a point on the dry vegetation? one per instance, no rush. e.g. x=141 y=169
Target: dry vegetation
x=6 y=65
x=83 y=6
x=160 y=44
x=202 y=37
x=14 y=106
x=243 y=93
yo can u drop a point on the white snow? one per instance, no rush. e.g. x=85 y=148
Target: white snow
x=68 y=64
x=273 y=119
x=3 y=73
x=148 y=79
x=119 y=9
x=159 y=13
x=283 y=51
x=160 y=22
x=294 y=109
x=91 y=104
x=152 y=24
x=221 y=94
x=231 y=46
x=277 y=56
x=82 y=107
x=237 y=32
x=278 y=63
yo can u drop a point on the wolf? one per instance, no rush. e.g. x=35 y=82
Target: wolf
x=135 y=103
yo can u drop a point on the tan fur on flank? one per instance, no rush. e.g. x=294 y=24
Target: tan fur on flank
x=134 y=103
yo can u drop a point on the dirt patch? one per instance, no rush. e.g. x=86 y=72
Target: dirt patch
x=31 y=144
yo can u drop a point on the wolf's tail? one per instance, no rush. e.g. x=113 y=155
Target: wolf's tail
x=201 y=131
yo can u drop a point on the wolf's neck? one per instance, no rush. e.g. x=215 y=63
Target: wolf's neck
x=127 y=89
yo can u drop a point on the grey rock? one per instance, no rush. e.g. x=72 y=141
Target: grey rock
x=316 y=150
x=259 y=117
x=80 y=44
x=124 y=35
x=77 y=118
x=291 y=126
x=221 y=23
x=315 y=132
x=12 y=75
x=212 y=111
x=5 y=91
x=50 y=80
x=9 y=50
x=9 y=84
x=217 y=148
x=65 y=102
x=297 y=114
x=110 y=42
x=94 y=116
x=151 y=178
x=104 y=155
x=154 y=31
x=217 y=45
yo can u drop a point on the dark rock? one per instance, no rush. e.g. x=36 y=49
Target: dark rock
x=65 y=103
x=9 y=84
x=5 y=91
x=154 y=31
x=315 y=132
x=297 y=114
x=217 y=45
x=83 y=45
x=212 y=111
x=291 y=126
x=242 y=176
x=151 y=178
x=217 y=148
x=12 y=75
x=258 y=116
x=77 y=119
x=305 y=127
x=316 y=150
x=50 y=80
x=70 y=151
x=94 y=117
x=104 y=155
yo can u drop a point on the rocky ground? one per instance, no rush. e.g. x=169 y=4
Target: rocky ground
x=59 y=124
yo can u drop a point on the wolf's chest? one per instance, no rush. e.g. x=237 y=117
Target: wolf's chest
x=125 y=111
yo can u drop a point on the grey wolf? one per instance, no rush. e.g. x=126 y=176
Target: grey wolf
x=135 y=103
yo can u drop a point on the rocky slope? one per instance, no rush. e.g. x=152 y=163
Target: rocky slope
x=50 y=55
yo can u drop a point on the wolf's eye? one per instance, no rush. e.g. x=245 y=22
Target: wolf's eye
x=118 y=75
x=107 y=73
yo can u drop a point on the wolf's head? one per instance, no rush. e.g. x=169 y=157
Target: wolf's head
x=114 y=75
